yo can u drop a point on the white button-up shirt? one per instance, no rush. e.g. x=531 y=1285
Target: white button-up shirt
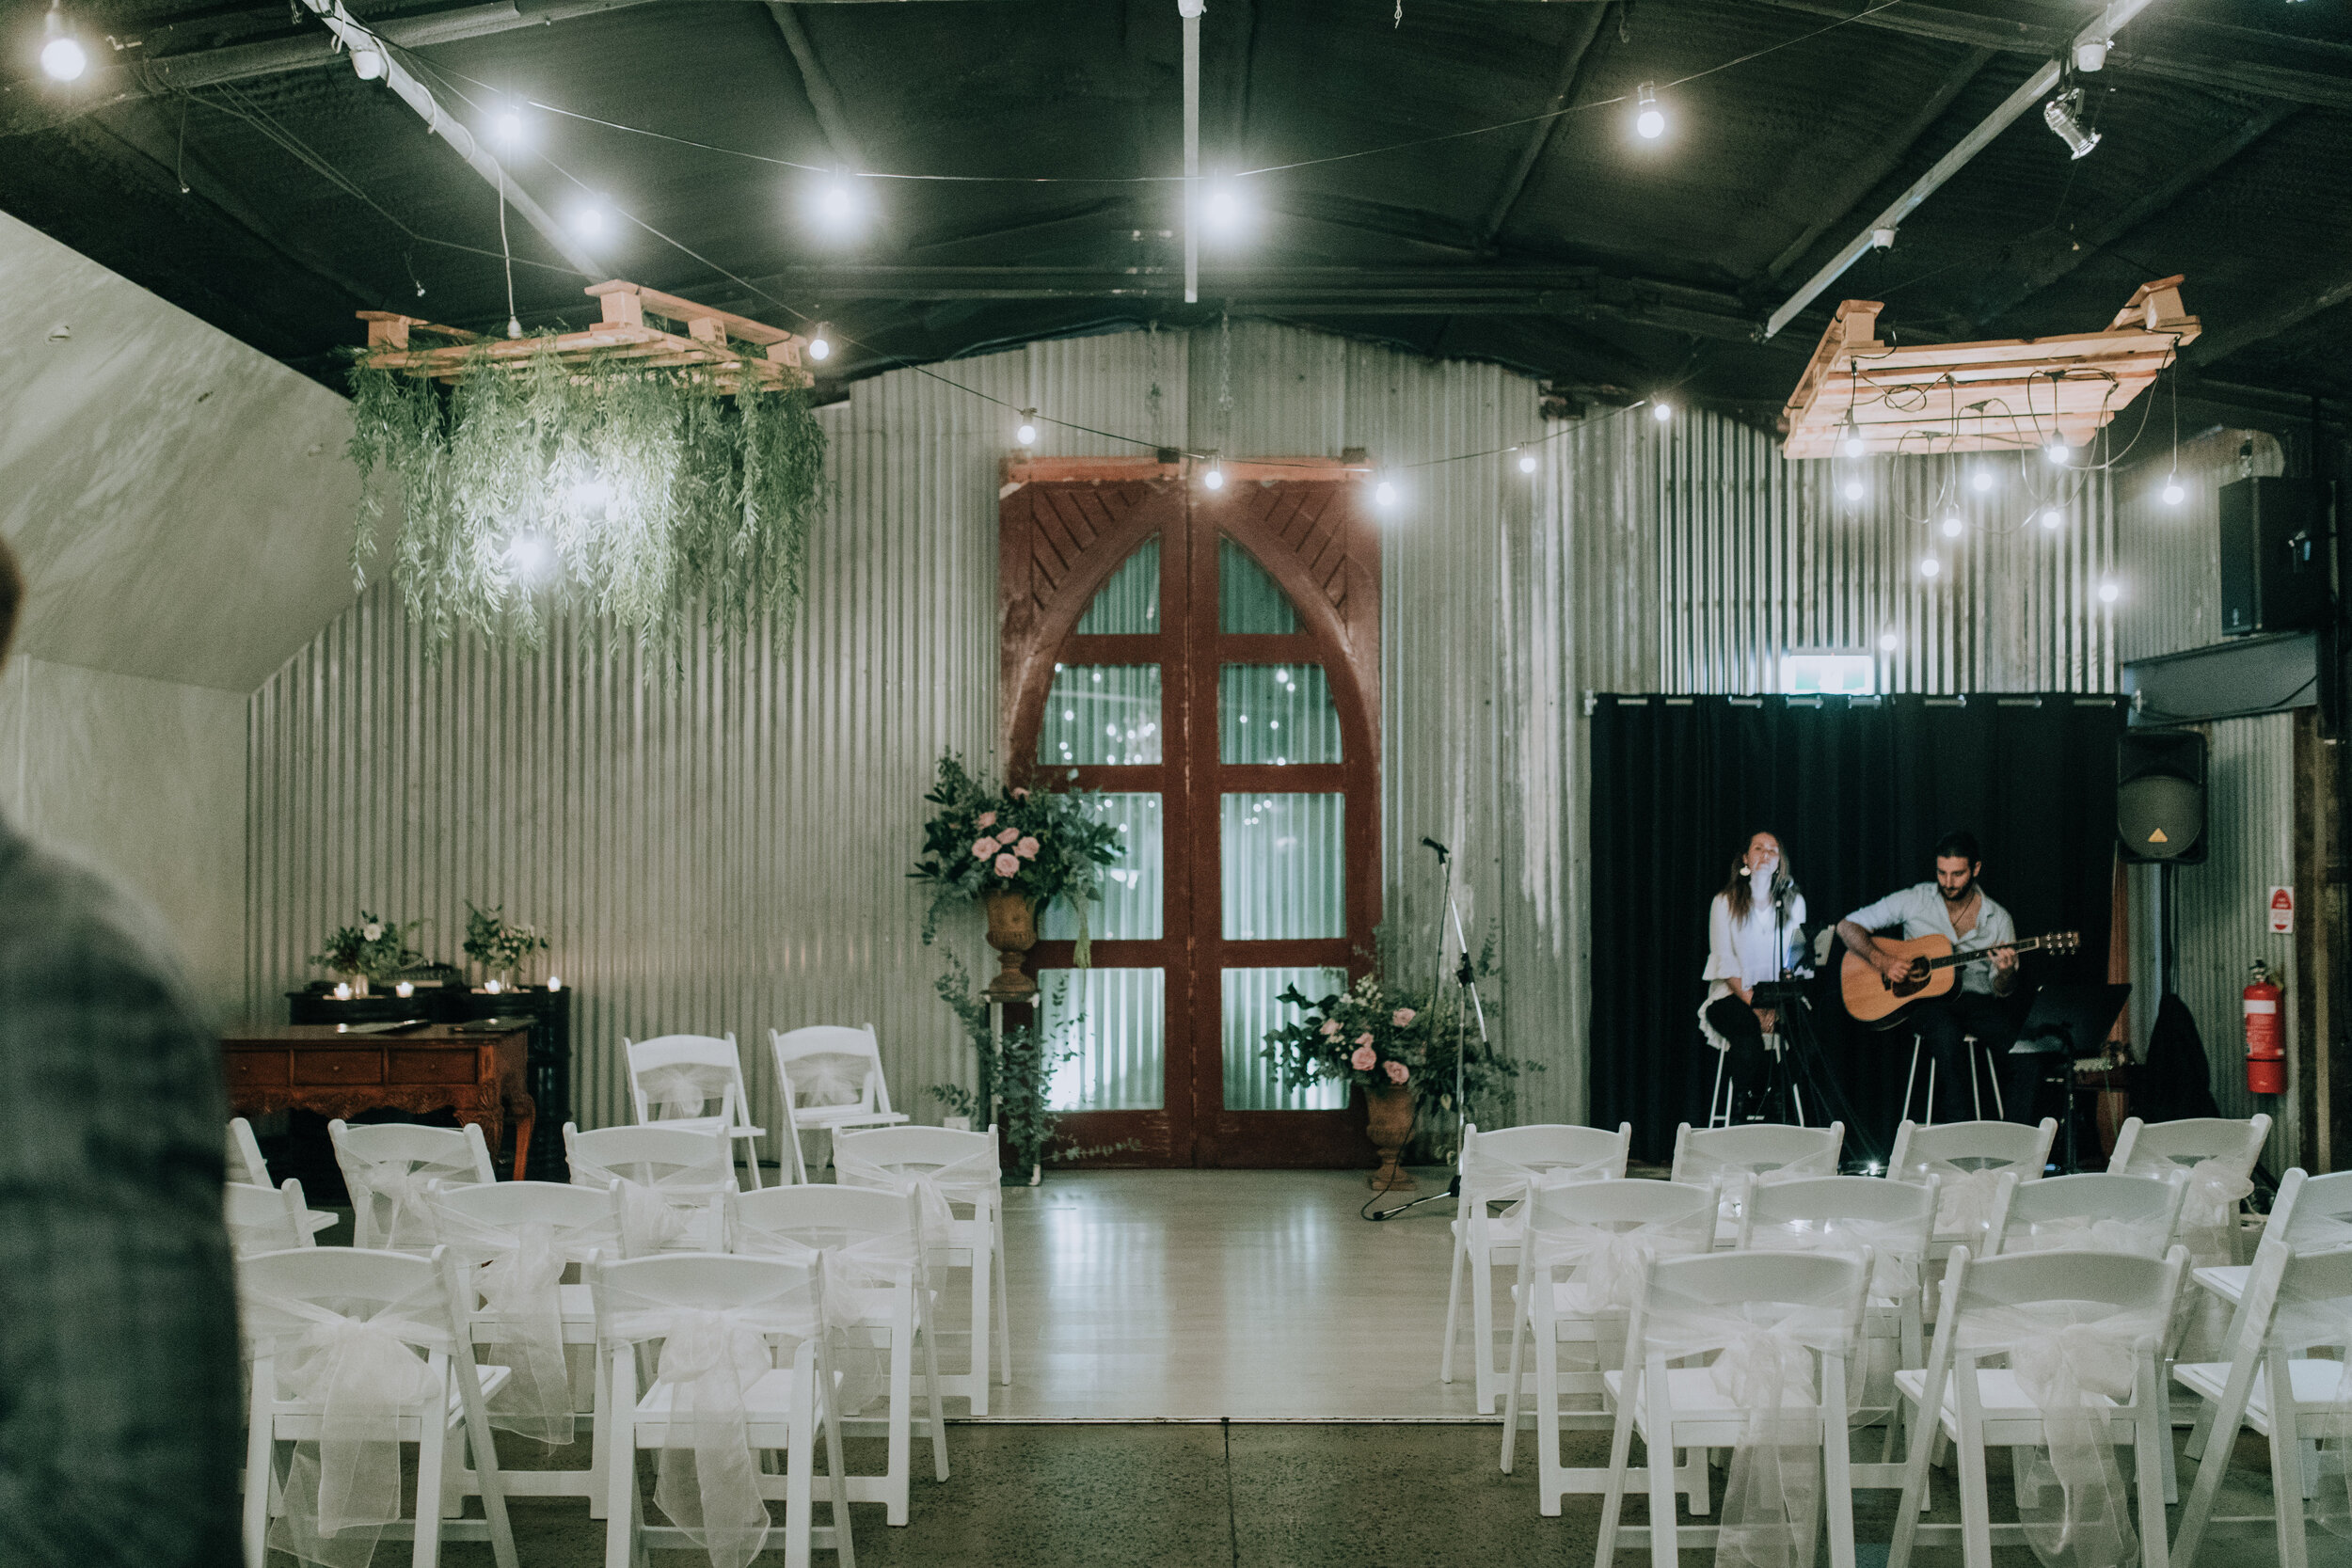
x=1920 y=909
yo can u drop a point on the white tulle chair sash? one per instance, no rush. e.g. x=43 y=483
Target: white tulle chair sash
x=861 y=1275
x=1608 y=1262
x=2304 y=1321
x=706 y=1479
x=2143 y=1238
x=973 y=1178
x=686 y=1092
x=249 y=1237
x=1895 y=1280
x=1966 y=1198
x=824 y=1078
x=656 y=1202
x=1701 y=1169
x=2217 y=1184
x=518 y=1272
x=1765 y=1352
x=2064 y=1353
x=361 y=1372
x=398 y=1193
x=2316 y=1232
x=1488 y=1177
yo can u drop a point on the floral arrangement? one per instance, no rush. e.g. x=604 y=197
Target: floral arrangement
x=1364 y=1035
x=496 y=943
x=376 y=948
x=1044 y=842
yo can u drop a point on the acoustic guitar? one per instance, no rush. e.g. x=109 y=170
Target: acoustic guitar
x=1873 y=999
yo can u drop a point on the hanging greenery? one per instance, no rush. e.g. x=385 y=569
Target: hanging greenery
x=649 y=496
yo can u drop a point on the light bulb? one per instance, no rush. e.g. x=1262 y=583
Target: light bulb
x=1952 y=526
x=589 y=219
x=1648 y=118
x=1661 y=410
x=2109 y=593
x=1853 y=489
x=1853 y=445
x=1222 y=211
x=1888 y=643
x=1981 y=480
x=368 y=61
x=2053 y=518
x=820 y=341
x=2055 y=452
x=507 y=125
x=1527 y=462
x=1026 y=434
x=1929 y=566
x=529 y=553
x=62 y=57
x=1215 y=478
x=2173 y=494
x=837 y=202
x=1384 y=494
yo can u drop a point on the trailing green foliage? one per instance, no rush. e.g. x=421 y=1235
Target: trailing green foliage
x=640 y=494
x=1014 y=1084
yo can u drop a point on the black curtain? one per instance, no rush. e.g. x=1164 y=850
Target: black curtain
x=1857 y=795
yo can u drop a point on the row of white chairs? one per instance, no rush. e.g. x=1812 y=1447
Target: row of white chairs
x=829 y=1079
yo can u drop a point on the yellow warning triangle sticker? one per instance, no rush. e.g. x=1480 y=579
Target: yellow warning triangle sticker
x=2158 y=837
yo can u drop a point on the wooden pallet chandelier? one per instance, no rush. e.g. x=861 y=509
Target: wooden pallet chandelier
x=1860 y=397
x=735 y=349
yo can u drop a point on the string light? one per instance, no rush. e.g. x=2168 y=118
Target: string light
x=2109 y=591
x=508 y=127
x=1952 y=526
x=820 y=340
x=589 y=218
x=2173 y=494
x=62 y=56
x=1026 y=434
x=1854 y=488
x=1223 y=212
x=1888 y=643
x=1384 y=494
x=1851 y=443
x=1527 y=462
x=2055 y=452
x=1929 y=566
x=838 y=204
x=1661 y=410
x=2053 y=518
x=1981 y=479
x=1649 y=120
x=1215 y=478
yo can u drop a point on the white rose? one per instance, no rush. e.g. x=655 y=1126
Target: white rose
x=373 y=931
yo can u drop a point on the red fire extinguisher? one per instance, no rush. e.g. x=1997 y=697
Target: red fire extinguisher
x=2266 y=1046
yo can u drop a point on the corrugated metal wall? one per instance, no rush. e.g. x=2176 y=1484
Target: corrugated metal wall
x=730 y=853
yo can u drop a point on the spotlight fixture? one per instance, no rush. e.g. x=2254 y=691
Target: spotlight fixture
x=820 y=340
x=1026 y=434
x=1648 y=118
x=2054 y=519
x=1929 y=566
x=1888 y=643
x=1661 y=410
x=1952 y=526
x=1527 y=462
x=2173 y=494
x=1981 y=479
x=1853 y=488
x=2109 y=591
x=62 y=56
x=367 y=61
x=2063 y=114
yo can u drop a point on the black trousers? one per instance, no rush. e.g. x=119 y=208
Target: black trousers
x=1749 y=1066
x=1943 y=1024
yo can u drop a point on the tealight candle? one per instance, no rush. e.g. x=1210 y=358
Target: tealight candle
x=555 y=982
x=405 y=987
x=492 y=987
x=342 y=991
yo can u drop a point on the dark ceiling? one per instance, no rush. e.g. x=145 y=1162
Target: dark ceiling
x=1563 y=245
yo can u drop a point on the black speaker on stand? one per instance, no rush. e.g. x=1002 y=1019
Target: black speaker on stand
x=2160 y=819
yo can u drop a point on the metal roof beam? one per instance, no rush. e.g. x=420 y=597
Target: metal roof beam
x=2216 y=346
x=2029 y=93
x=1582 y=32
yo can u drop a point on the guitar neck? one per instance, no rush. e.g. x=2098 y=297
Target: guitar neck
x=1979 y=953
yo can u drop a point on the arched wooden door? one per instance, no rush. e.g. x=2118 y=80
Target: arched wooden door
x=1209 y=660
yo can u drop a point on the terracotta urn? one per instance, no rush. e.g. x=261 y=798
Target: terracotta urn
x=1012 y=932
x=1390 y=1120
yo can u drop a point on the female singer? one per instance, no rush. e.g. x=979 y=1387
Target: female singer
x=1755 y=929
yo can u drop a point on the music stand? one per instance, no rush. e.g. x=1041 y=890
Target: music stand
x=2068 y=1020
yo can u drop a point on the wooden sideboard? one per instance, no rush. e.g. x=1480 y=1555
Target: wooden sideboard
x=475 y=1073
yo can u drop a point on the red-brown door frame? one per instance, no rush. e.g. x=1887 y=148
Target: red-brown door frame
x=1065 y=526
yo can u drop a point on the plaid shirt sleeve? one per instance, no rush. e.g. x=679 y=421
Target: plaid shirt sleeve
x=119 y=1364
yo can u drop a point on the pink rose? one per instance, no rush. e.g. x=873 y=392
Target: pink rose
x=982 y=849
x=1007 y=866
x=1027 y=848
x=1008 y=835
x=987 y=819
x=1364 y=1039
x=1363 y=1059
x=1402 y=1017
x=1330 y=1025
x=1398 y=1072
x=1020 y=794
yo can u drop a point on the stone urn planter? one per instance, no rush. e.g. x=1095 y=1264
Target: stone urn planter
x=1012 y=932
x=1390 y=1109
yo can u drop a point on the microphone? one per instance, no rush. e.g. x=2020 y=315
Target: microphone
x=1443 y=853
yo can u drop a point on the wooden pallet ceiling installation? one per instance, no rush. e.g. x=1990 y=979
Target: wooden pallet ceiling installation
x=2001 y=395
x=771 y=361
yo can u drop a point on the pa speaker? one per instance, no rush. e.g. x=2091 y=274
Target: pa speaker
x=2274 y=570
x=2160 y=795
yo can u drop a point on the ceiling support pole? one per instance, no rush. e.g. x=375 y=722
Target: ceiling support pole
x=2027 y=94
x=1190 y=10
x=452 y=131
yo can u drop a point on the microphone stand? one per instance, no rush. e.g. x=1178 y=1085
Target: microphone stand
x=1466 y=981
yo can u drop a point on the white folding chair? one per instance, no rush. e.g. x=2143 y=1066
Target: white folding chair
x=738 y=1356
x=513 y=1243
x=2083 y=1332
x=685 y=1079
x=1893 y=1221
x=388 y=1167
x=1782 y=1327
x=267 y=1219
x=1580 y=1250
x=322 y=1467
x=1970 y=1158
x=1497 y=1167
x=2107 y=1214
x=245 y=1163
x=2311 y=1213
x=1767 y=1150
x=2294 y=1302
x=868 y=1242
x=945 y=1170
x=669 y=1186
x=2218 y=1153
x=831 y=1078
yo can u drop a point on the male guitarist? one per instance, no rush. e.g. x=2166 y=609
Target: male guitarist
x=1955 y=905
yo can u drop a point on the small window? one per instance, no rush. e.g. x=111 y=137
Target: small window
x=1838 y=674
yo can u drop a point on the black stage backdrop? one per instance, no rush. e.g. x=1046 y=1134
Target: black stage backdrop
x=1858 y=794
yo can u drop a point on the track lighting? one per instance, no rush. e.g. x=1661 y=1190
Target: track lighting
x=820 y=340
x=1648 y=118
x=2063 y=114
x=1026 y=434
x=62 y=56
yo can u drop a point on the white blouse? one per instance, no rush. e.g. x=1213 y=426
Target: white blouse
x=1750 y=951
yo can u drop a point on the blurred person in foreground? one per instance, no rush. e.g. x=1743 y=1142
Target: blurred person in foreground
x=119 y=1421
